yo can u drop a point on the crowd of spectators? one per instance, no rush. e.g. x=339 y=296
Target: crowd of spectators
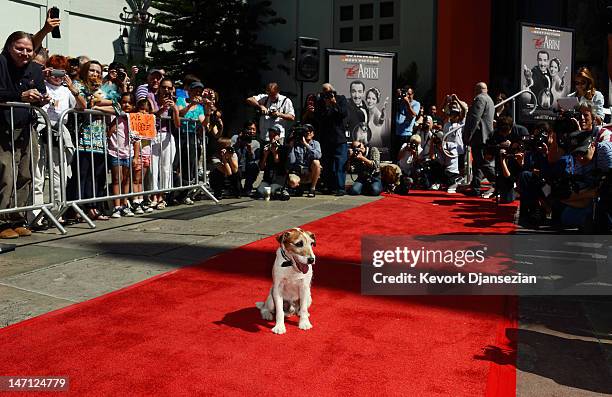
x=559 y=171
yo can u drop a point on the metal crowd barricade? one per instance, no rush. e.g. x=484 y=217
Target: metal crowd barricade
x=51 y=202
x=90 y=131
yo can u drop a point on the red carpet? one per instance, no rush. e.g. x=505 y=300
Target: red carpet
x=196 y=331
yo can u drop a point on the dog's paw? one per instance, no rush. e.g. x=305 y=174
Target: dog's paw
x=279 y=329
x=305 y=324
x=266 y=315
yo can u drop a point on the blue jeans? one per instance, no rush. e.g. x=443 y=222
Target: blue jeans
x=339 y=162
x=360 y=186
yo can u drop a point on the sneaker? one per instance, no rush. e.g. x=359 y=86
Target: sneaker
x=138 y=209
x=452 y=188
x=489 y=193
x=311 y=193
x=188 y=201
x=160 y=206
x=147 y=209
x=117 y=212
x=126 y=211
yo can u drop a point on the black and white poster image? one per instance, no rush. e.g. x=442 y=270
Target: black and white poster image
x=366 y=80
x=546 y=71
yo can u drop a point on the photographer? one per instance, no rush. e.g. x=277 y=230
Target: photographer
x=304 y=158
x=406 y=159
x=331 y=110
x=248 y=151
x=273 y=163
x=533 y=175
x=408 y=109
x=365 y=162
x=505 y=146
x=429 y=172
x=225 y=168
x=273 y=108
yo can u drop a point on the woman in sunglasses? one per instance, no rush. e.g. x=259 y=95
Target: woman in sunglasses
x=585 y=90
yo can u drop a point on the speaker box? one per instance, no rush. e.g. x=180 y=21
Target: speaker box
x=307 y=59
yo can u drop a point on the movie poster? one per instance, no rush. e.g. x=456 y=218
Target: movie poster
x=546 y=70
x=366 y=80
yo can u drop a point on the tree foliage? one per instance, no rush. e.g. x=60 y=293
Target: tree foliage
x=217 y=41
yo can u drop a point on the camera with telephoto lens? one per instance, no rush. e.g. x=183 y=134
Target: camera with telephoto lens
x=121 y=75
x=403 y=93
x=230 y=149
x=298 y=132
x=245 y=139
x=413 y=146
x=328 y=94
x=272 y=110
x=58 y=72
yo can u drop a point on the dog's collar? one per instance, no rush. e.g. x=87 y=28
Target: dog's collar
x=287 y=261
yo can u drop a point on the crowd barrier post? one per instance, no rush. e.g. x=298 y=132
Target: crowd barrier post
x=97 y=123
x=52 y=201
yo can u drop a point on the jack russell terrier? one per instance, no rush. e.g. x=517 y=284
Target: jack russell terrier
x=291 y=277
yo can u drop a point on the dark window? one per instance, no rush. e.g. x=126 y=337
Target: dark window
x=386 y=9
x=366 y=33
x=346 y=13
x=386 y=31
x=346 y=35
x=366 y=11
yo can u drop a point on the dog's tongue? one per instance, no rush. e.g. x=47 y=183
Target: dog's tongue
x=303 y=267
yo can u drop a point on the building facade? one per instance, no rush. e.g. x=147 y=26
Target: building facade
x=89 y=27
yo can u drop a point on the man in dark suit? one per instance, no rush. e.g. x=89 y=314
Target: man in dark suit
x=538 y=78
x=477 y=131
x=330 y=111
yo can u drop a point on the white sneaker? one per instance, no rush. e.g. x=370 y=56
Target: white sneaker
x=488 y=193
x=117 y=212
x=138 y=210
x=127 y=212
x=188 y=201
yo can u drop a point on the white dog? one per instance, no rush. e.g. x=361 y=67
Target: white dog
x=291 y=277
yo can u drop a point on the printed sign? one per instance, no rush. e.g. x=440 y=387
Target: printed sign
x=546 y=70
x=142 y=125
x=366 y=80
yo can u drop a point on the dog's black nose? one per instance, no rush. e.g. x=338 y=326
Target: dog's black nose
x=311 y=261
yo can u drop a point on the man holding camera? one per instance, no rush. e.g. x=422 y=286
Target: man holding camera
x=247 y=149
x=304 y=158
x=408 y=109
x=330 y=110
x=273 y=162
x=365 y=162
x=273 y=108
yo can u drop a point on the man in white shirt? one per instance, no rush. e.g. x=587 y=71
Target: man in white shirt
x=274 y=108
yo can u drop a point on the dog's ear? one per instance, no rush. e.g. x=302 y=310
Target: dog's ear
x=282 y=237
x=312 y=236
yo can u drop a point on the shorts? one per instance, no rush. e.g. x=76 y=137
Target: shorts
x=119 y=162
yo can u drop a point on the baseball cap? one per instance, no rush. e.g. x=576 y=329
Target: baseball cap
x=277 y=128
x=151 y=71
x=196 y=84
x=580 y=141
